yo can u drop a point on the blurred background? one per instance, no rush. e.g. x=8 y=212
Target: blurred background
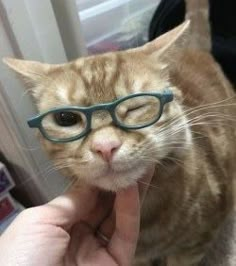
x=115 y=24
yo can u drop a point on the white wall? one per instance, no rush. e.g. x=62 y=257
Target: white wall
x=29 y=30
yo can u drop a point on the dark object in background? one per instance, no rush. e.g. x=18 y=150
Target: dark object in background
x=171 y=13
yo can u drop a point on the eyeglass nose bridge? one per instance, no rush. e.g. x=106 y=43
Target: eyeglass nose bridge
x=101 y=108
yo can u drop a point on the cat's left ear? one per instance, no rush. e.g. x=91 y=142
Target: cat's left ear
x=31 y=70
x=171 y=42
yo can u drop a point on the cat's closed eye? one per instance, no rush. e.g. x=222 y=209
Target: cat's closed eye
x=138 y=110
x=140 y=107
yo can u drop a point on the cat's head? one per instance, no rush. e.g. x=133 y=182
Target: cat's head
x=110 y=157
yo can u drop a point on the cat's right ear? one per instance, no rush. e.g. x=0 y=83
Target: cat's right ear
x=169 y=44
x=31 y=70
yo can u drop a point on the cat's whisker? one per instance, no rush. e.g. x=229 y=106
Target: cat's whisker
x=54 y=168
x=24 y=183
x=149 y=185
x=167 y=157
x=210 y=106
x=25 y=148
x=149 y=145
x=192 y=122
x=158 y=162
x=73 y=181
x=194 y=110
x=175 y=160
x=211 y=116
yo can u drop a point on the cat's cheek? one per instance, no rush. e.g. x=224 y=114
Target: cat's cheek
x=51 y=148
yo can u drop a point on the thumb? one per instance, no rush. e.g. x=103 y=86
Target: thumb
x=127 y=209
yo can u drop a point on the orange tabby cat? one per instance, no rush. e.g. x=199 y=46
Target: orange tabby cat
x=192 y=145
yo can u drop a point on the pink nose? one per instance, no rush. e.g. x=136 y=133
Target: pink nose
x=106 y=148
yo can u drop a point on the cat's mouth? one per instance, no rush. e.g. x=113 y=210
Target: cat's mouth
x=113 y=178
x=118 y=167
x=113 y=173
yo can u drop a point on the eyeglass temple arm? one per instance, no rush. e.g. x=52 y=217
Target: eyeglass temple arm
x=32 y=122
x=168 y=95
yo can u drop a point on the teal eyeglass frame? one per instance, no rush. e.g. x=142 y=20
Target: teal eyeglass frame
x=36 y=122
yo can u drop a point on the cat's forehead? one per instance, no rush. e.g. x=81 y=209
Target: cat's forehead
x=118 y=74
x=103 y=78
x=100 y=75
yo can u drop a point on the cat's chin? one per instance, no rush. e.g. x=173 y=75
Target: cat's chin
x=117 y=180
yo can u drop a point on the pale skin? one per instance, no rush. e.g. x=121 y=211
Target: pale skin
x=62 y=232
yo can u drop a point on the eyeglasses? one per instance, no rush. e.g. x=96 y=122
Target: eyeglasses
x=131 y=112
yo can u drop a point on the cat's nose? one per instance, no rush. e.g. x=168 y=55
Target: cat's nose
x=106 y=147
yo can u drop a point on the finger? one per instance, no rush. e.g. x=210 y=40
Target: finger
x=107 y=228
x=102 y=210
x=82 y=237
x=123 y=242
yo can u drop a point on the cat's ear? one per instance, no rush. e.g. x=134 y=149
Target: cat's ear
x=32 y=70
x=171 y=42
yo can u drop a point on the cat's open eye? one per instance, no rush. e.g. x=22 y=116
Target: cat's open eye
x=64 y=124
x=67 y=119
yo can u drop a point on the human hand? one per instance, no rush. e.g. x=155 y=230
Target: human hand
x=63 y=232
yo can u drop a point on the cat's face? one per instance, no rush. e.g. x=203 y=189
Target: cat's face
x=108 y=157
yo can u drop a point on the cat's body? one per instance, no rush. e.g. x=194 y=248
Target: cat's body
x=194 y=190
x=192 y=146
